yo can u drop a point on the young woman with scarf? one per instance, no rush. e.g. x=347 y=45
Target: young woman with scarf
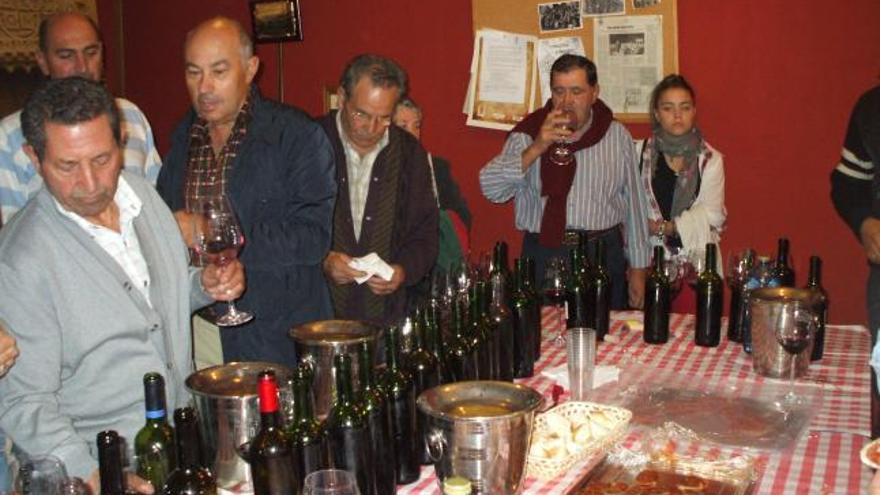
x=682 y=174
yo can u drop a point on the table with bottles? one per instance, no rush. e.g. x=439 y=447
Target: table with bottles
x=825 y=459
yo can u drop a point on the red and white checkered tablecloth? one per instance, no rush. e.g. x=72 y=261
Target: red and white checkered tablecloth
x=824 y=461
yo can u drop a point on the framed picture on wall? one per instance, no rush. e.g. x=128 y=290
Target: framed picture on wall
x=276 y=20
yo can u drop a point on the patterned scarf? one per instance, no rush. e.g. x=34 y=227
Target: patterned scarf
x=689 y=146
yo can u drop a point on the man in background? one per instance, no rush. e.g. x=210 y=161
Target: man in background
x=385 y=203
x=275 y=166
x=598 y=195
x=69 y=45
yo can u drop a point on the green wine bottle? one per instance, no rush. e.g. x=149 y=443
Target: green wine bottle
x=349 y=437
x=399 y=386
x=191 y=477
x=377 y=414
x=308 y=439
x=154 y=443
x=110 y=463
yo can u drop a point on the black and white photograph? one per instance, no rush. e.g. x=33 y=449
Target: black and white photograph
x=641 y=4
x=559 y=16
x=276 y=20
x=626 y=44
x=603 y=7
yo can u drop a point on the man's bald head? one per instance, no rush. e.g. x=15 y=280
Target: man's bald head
x=70 y=45
x=220 y=23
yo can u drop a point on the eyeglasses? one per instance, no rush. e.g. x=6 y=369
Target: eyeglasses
x=364 y=118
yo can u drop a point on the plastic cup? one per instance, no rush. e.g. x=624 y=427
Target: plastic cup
x=581 y=350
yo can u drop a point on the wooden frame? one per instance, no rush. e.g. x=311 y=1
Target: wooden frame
x=276 y=20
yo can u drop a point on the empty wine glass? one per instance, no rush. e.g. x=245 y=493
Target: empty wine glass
x=674 y=269
x=794 y=331
x=560 y=151
x=43 y=475
x=217 y=239
x=330 y=482
x=554 y=293
x=695 y=262
x=739 y=266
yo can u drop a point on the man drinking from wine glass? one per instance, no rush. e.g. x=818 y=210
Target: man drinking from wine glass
x=386 y=204
x=597 y=194
x=95 y=282
x=274 y=165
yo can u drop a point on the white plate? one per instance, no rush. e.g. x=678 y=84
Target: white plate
x=864 y=454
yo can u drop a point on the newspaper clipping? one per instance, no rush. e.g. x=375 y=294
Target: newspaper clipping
x=629 y=56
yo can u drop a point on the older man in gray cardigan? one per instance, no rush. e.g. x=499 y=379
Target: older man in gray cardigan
x=96 y=285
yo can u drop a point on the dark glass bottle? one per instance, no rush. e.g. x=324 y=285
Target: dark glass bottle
x=426 y=374
x=154 y=443
x=434 y=342
x=191 y=476
x=349 y=437
x=782 y=272
x=110 y=463
x=657 y=302
x=815 y=284
x=576 y=291
x=599 y=294
x=459 y=357
x=270 y=455
x=523 y=324
x=478 y=333
x=399 y=386
x=377 y=415
x=502 y=329
x=710 y=303
x=535 y=297
x=308 y=440
x=494 y=338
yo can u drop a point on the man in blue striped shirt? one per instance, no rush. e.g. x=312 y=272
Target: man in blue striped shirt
x=69 y=45
x=597 y=193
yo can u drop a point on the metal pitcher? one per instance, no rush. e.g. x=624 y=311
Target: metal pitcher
x=317 y=342
x=225 y=397
x=766 y=307
x=480 y=430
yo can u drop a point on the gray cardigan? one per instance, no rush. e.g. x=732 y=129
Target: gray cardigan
x=86 y=335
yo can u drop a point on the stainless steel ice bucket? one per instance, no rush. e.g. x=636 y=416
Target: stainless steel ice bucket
x=317 y=342
x=480 y=430
x=226 y=399
x=765 y=306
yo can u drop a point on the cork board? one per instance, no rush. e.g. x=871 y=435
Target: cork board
x=522 y=17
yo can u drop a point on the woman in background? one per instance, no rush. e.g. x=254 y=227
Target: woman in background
x=683 y=175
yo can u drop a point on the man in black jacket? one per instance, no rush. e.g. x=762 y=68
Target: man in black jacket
x=385 y=203
x=275 y=165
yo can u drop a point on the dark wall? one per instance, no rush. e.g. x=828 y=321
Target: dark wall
x=775 y=83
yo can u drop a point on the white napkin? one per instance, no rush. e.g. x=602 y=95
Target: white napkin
x=602 y=374
x=372 y=264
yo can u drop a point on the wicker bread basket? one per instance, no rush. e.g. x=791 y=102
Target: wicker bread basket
x=544 y=468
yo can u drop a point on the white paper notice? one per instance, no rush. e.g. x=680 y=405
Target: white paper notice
x=629 y=57
x=503 y=70
x=549 y=49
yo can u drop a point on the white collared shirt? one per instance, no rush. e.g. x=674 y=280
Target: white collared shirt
x=360 y=170
x=122 y=246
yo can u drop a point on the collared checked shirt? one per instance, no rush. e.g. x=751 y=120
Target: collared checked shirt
x=606 y=190
x=122 y=246
x=19 y=180
x=360 y=170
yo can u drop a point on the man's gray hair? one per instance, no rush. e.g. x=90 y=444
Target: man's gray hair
x=67 y=101
x=382 y=71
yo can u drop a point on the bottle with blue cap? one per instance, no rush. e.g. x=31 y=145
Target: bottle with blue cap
x=154 y=443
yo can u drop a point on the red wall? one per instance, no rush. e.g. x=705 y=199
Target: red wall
x=775 y=83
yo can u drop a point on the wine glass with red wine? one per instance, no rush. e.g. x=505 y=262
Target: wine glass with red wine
x=794 y=331
x=560 y=152
x=218 y=239
x=554 y=291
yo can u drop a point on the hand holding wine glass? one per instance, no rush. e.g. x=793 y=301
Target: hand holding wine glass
x=218 y=238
